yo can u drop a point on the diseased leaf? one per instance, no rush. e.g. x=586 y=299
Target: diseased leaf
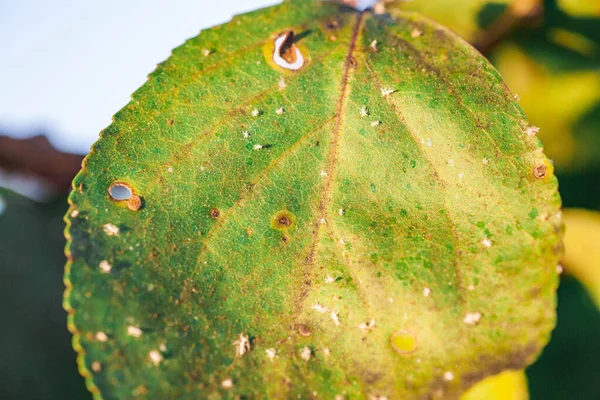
x=351 y=209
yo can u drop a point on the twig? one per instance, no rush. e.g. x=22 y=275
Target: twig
x=36 y=156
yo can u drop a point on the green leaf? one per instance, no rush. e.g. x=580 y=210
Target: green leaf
x=361 y=226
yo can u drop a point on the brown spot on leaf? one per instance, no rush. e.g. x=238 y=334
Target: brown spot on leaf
x=283 y=220
x=540 y=171
x=134 y=203
x=215 y=213
x=287 y=51
x=303 y=330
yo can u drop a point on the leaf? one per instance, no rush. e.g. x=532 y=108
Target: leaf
x=35 y=350
x=375 y=223
x=582 y=250
x=508 y=385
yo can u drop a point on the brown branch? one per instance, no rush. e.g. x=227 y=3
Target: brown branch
x=519 y=13
x=37 y=157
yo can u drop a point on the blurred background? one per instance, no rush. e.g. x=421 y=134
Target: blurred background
x=68 y=66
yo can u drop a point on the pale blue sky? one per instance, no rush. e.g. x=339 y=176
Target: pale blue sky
x=69 y=65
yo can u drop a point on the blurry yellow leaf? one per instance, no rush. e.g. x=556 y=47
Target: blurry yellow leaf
x=508 y=385
x=582 y=248
x=580 y=8
x=553 y=101
x=460 y=16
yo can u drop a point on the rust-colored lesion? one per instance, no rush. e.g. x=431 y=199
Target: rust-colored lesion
x=288 y=50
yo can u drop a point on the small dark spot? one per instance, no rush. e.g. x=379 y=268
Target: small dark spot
x=283 y=220
x=215 y=213
x=170 y=122
x=285 y=239
x=333 y=24
x=540 y=171
x=303 y=330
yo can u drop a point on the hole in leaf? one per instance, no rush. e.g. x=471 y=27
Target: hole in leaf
x=286 y=53
x=120 y=192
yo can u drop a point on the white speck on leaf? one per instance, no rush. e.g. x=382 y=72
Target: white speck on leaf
x=426 y=292
x=320 y=308
x=227 y=383
x=206 y=52
x=155 y=357
x=364 y=111
x=257 y=147
x=279 y=111
x=322 y=221
x=111 y=230
x=101 y=336
x=341 y=212
x=105 y=267
x=335 y=317
x=74 y=213
x=96 y=366
x=415 y=33
x=242 y=345
x=255 y=112
x=487 y=242
x=329 y=279
x=170 y=170
x=373 y=45
x=281 y=84
x=246 y=134
x=385 y=92
x=323 y=174
x=367 y=326
x=449 y=376
x=134 y=331
x=375 y=123
x=559 y=269
x=485 y=161
x=271 y=353
x=305 y=353
x=532 y=131
x=472 y=318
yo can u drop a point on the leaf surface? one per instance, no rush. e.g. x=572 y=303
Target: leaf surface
x=375 y=223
